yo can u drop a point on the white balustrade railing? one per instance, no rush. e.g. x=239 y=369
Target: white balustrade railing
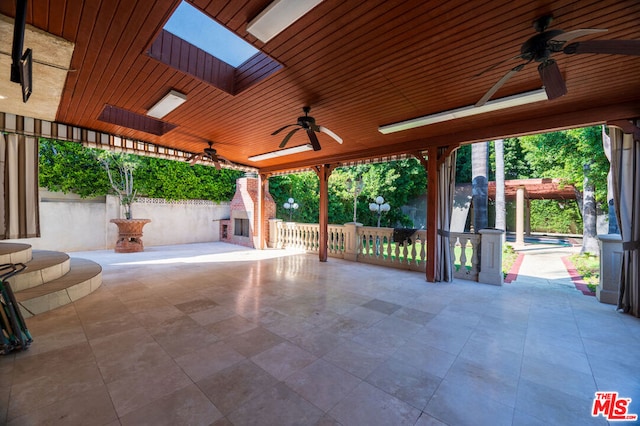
x=464 y=255
x=377 y=246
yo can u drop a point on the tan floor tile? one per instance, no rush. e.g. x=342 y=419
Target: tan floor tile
x=53 y=386
x=236 y=385
x=253 y=341
x=206 y=361
x=93 y=407
x=231 y=326
x=197 y=305
x=359 y=360
x=367 y=405
x=407 y=383
x=278 y=405
x=138 y=389
x=182 y=336
x=129 y=352
x=283 y=360
x=322 y=384
x=186 y=406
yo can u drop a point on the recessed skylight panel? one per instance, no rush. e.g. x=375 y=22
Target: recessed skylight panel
x=196 y=28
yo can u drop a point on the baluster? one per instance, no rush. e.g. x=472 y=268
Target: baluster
x=304 y=237
x=372 y=245
x=463 y=255
x=452 y=246
x=474 y=256
x=413 y=254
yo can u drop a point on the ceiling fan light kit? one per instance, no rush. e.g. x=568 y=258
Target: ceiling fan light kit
x=494 y=105
x=308 y=124
x=208 y=153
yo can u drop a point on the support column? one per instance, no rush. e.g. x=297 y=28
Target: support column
x=432 y=212
x=491 y=260
x=520 y=216
x=527 y=215
x=351 y=243
x=323 y=173
x=611 y=254
x=263 y=188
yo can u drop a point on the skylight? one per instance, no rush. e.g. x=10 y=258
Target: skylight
x=195 y=27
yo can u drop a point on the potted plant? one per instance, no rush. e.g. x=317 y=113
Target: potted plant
x=120 y=167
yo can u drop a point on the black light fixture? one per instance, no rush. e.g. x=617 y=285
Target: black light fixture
x=18 y=39
x=21 y=63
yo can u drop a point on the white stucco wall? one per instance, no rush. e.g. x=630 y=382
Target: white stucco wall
x=69 y=223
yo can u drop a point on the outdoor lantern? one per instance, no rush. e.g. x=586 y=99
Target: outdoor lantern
x=290 y=205
x=379 y=207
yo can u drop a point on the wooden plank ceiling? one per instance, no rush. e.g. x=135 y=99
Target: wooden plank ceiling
x=359 y=64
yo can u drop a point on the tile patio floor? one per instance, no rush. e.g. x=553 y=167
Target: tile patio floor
x=216 y=334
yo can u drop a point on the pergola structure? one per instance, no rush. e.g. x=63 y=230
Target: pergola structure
x=99 y=66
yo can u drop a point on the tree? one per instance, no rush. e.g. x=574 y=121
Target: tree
x=589 y=215
x=480 y=182
x=397 y=181
x=120 y=167
x=563 y=155
x=501 y=212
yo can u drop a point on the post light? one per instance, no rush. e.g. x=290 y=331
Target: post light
x=379 y=207
x=355 y=187
x=290 y=205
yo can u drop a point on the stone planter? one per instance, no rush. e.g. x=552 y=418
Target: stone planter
x=129 y=235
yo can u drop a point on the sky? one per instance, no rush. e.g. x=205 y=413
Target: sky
x=191 y=25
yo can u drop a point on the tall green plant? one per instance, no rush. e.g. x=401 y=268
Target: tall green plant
x=120 y=167
x=70 y=167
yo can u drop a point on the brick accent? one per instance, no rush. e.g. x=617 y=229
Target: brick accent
x=244 y=205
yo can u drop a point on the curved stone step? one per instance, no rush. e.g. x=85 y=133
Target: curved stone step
x=83 y=277
x=15 y=253
x=43 y=267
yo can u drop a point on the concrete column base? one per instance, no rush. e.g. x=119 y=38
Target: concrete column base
x=610 y=267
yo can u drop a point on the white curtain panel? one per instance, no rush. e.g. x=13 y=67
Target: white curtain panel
x=19 y=186
x=625 y=168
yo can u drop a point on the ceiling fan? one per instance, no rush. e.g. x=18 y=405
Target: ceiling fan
x=543 y=45
x=308 y=124
x=208 y=153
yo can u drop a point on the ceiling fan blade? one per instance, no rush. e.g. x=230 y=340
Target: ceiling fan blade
x=191 y=157
x=224 y=159
x=497 y=64
x=498 y=85
x=314 y=140
x=216 y=161
x=552 y=79
x=570 y=35
x=194 y=159
x=282 y=128
x=611 y=47
x=330 y=133
x=286 y=138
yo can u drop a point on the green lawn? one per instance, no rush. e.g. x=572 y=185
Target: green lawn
x=588 y=266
